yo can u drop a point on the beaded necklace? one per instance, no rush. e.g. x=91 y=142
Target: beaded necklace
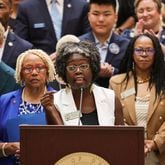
x=24 y=105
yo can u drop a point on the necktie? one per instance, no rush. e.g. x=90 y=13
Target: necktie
x=56 y=18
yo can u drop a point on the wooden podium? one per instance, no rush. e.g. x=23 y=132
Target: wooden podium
x=81 y=145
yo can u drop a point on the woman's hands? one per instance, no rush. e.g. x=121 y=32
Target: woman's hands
x=106 y=70
x=12 y=148
x=47 y=100
x=149 y=145
x=52 y=114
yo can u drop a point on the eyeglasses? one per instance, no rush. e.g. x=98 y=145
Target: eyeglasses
x=73 y=68
x=38 y=69
x=140 y=51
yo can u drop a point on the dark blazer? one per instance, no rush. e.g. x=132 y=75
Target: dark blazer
x=112 y=58
x=35 y=24
x=14 y=46
x=12 y=23
x=7 y=82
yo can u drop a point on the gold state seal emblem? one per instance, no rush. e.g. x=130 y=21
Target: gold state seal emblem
x=82 y=158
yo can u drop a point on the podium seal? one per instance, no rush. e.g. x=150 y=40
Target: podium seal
x=82 y=158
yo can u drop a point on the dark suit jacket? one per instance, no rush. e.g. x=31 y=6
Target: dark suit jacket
x=7 y=82
x=14 y=46
x=35 y=24
x=12 y=23
x=112 y=58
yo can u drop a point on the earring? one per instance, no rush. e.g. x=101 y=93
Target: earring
x=22 y=83
x=133 y=66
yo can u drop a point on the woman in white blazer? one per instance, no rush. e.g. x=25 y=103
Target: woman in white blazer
x=81 y=102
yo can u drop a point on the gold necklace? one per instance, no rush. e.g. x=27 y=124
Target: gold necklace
x=143 y=80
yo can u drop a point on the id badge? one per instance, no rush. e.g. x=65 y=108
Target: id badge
x=72 y=115
x=128 y=93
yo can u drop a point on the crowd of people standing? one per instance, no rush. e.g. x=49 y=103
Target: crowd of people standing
x=111 y=67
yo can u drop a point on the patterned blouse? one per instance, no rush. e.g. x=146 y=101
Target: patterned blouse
x=29 y=108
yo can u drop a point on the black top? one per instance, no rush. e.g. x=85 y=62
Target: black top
x=90 y=118
x=126 y=9
x=12 y=23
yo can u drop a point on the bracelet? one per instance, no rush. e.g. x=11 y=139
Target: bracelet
x=3 y=150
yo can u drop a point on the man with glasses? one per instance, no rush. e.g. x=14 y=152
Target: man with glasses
x=11 y=45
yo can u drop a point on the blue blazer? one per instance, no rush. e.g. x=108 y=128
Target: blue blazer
x=35 y=24
x=7 y=82
x=112 y=58
x=9 y=105
x=14 y=46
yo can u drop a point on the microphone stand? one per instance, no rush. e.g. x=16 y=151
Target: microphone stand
x=80 y=106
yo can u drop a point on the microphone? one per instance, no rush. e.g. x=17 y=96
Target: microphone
x=80 y=106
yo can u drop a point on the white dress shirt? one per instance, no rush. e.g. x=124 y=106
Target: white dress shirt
x=60 y=5
x=3 y=44
x=103 y=48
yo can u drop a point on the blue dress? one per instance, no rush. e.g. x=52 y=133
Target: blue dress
x=12 y=115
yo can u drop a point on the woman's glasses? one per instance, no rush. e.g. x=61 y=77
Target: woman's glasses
x=38 y=68
x=73 y=68
x=141 y=51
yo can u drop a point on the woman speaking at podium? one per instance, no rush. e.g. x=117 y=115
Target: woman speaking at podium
x=81 y=102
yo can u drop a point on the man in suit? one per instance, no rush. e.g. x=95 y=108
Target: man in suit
x=7 y=82
x=102 y=18
x=12 y=45
x=35 y=22
x=13 y=48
